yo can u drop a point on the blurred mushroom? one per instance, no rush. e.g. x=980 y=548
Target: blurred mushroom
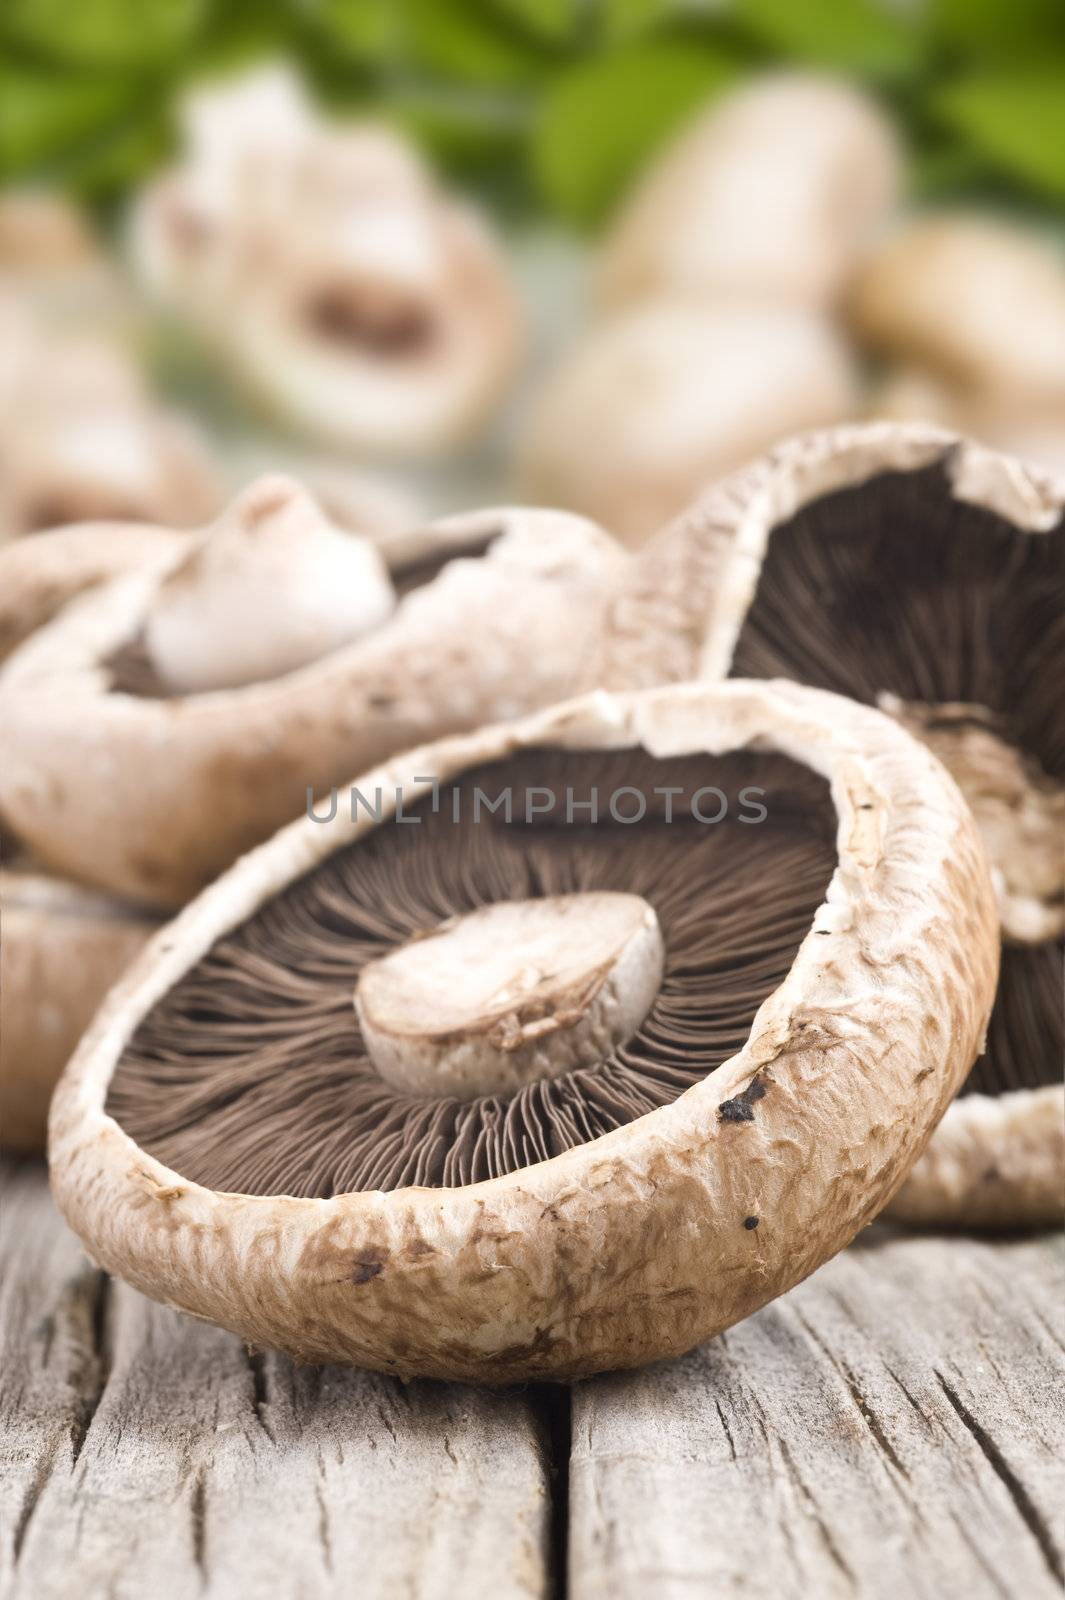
x=270 y=587
x=364 y=306
x=773 y=193
x=976 y=303
x=923 y=574
x=39 y=576
x=51 y=258
x=62 y=949
x=112 y=779
x=81 y=439
x=601 y=1165
x=1024 y=426
x=658 y=401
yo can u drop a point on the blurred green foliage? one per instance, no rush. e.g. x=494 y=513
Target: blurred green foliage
x=547 y=106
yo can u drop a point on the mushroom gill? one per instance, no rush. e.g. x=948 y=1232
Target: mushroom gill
x=253 y=1075
x=901 y=594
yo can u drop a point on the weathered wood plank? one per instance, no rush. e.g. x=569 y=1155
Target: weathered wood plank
x=149 y=1455
x=893 y=1427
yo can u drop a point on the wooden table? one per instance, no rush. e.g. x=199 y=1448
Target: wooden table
x=894 y=1427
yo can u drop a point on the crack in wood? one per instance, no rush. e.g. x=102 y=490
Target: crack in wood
x=1016 y=1490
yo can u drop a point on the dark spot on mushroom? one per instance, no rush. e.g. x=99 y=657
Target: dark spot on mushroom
x=366 y=1267
x=750 y=1223
x=741 y=1107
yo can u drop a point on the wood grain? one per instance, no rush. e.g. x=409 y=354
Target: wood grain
x=893 y=1427
x=150 y=1455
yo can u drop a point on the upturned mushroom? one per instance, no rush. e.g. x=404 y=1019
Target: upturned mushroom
x=81 y=440
x=39 y=576
x=325 y=267
x=164 y=723
x=62 y=949
x=659 y=400
x=568 y=1072
x=771 y=194
x=925 y=575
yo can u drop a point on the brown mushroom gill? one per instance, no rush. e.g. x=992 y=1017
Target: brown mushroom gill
x=132 y=672
x=251 y=1074
x=898 y=588
x=384 y=325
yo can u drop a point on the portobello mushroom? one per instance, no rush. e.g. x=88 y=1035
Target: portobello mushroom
x=571 y=1068
x=327 y=271
x=918 y=572
x=164 y=723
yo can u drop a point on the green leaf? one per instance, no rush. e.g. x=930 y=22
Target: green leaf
x=463 y=41
x=602 y=120
x=862 y=36
x=103 y=32
x=1021 y=30
x=1017 y=120
x=556 y=21
x=369 y=29
x=43 y=115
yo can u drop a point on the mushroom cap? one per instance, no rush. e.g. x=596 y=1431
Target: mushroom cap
x=632 y=1246
x=995 y=1161
x=700 y=582
x=39 y=576
x=1029 y=426
x=977 y=301
x=81 y=440
x=659 y=400
x=62 y=949
x=772 y=193
x=150 y=797
x=323 y=265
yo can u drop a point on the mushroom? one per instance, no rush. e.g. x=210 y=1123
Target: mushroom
x=926 y=575
x=1025 y=426
x=415 y=1096
x=62 y=949
x=771 y=194
x=978 y=303
x=365 y=307
x=131 y=762
x=270 y=587
x=660 y=400
x=41 y=575
x=51 y=258
x=81 y=440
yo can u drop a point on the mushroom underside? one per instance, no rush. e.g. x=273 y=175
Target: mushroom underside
x=252 y=1075
x=899 y=594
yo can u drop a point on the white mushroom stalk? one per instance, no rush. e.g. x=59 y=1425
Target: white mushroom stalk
x=324 y=266
x=270 y=587
x=512 y=992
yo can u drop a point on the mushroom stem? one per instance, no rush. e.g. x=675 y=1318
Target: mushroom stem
x=270 y=586
x=511 y=992
x=1019 y=809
